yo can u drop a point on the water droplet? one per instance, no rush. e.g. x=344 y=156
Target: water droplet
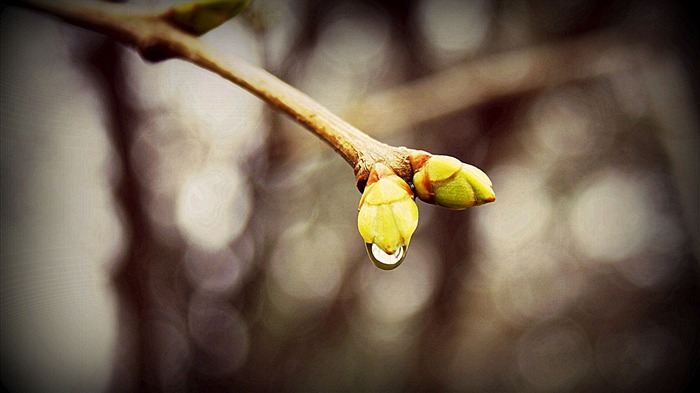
x=384 y=260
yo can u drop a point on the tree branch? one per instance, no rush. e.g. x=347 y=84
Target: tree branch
x=476 y=82
x=155 y=37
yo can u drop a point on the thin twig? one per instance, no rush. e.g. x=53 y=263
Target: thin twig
x=156 y=39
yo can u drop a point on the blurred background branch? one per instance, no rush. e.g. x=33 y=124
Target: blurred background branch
x=497 y=76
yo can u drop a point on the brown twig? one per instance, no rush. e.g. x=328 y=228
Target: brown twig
x=156 y=38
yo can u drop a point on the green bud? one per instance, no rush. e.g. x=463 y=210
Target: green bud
x=388 y=214
x=199 y=17
x=448 y=182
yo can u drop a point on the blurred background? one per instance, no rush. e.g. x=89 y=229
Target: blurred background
x=164 y=230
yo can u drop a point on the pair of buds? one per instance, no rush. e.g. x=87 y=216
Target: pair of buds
x=388 y=214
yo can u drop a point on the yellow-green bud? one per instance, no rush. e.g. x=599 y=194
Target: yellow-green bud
x=448 y=182
x=388 y=214
x=201 y=16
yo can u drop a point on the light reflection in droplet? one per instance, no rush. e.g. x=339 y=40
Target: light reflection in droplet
x=384 y=260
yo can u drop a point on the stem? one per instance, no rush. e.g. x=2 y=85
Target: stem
x=157 y=39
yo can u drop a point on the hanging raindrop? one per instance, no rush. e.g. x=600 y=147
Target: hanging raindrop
x=384 y=260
